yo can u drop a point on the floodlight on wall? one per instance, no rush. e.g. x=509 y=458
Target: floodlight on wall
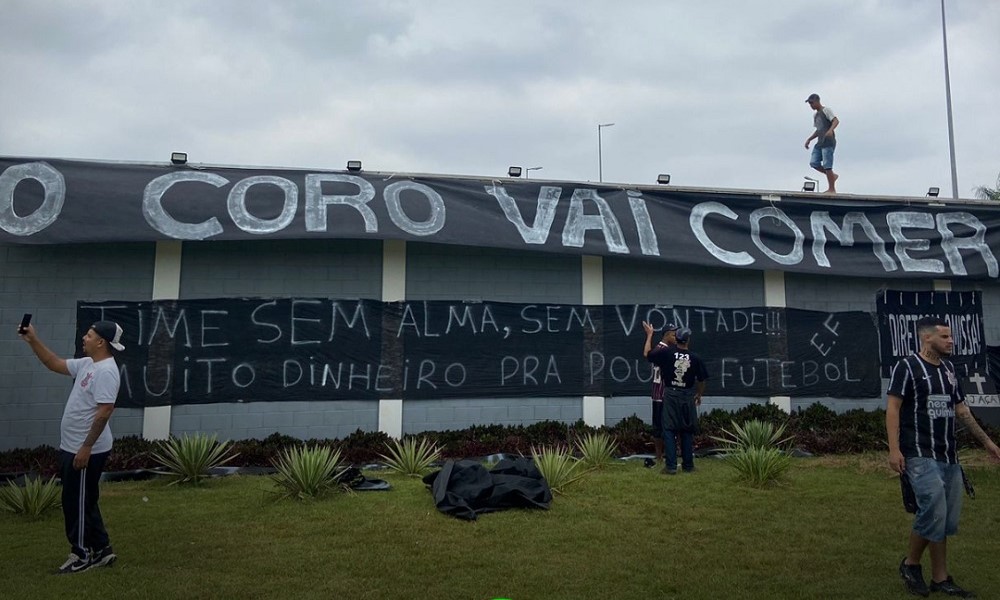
x=514 y=172
x=663 y=178
x=354 y=165
x=179 y=158
x=933 y=192
x=809 y=185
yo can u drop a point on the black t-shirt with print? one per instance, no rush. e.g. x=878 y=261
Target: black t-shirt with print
x=679 y=368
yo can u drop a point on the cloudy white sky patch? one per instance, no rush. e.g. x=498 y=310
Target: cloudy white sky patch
x=711 y=92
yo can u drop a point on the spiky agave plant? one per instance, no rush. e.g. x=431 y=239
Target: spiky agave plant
x=753 y=434
x=33 y=500
x=760 y=467
x=189 y=458
x=559 y=468
x=597 y=450
x=306 y=473
x=410 y=457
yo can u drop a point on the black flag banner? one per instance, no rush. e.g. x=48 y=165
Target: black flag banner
x=267 y=349
x=899 y=311
x=52 y=201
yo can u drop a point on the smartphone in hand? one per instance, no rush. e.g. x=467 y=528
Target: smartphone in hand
x=25 y=321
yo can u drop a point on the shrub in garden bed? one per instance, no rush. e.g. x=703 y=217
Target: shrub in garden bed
x=363 y=447
x=43 y=460
x=131 y=452
x=816 y=429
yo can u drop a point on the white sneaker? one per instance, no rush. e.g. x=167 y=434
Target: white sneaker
x=74 y=564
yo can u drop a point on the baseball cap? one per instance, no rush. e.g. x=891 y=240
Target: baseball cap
x=683 y=334
x=813 y=97
x=110 y=331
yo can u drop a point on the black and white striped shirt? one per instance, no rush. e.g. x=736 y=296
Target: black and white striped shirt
x=927 y=416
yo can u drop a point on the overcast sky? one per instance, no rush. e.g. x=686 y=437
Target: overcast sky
x=711 y=92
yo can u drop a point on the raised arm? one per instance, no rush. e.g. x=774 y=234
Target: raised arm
x=649 y=338
x=46 y=356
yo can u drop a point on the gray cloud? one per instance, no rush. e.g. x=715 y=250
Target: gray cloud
x=711 y=92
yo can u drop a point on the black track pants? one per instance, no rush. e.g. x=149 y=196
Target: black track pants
x=84 y=525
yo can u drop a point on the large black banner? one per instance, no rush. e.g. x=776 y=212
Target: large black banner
x=55 y=202
x=261 y=349
x=899 y=311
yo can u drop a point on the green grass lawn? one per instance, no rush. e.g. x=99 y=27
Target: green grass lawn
x=836 y=530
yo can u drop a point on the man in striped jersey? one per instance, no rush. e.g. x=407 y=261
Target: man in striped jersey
x=669 y=339
x=924 y=402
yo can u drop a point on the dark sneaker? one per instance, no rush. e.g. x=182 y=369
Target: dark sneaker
x=913 y=578
x=949 y=587
x=75 y=564
x=103 y=558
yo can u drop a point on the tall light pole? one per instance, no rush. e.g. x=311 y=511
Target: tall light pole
x=529 y=169
x=600 y=158
x=947 y=93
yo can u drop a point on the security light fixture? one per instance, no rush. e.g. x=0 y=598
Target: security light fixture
x=933 y=192
x=809 y=186
x=514 y=172
x=663 y=178
x=179 y=158
x=354 y=165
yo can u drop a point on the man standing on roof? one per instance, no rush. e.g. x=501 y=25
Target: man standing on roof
x=669 y=339
x=826 y=141
x=684 y=375
x=85 y=439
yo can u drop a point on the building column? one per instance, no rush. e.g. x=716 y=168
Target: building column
x=592 y=294
x=166 y=286
x=774 y=297
x=390 y=411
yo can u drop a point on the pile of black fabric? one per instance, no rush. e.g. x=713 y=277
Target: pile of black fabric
x=466 y=489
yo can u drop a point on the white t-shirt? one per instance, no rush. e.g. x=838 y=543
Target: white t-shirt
x=94 y=383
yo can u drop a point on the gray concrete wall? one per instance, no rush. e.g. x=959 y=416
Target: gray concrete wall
x=47 y=281
x=440 y=415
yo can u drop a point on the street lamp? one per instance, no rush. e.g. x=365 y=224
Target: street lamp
x=600 y=158
x=527 y=169
x=947 y=93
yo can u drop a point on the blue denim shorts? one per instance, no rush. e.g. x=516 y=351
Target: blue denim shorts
x=938 y=488
x=822 y=157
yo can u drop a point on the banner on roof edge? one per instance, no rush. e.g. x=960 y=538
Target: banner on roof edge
x=315 y=349
x=50 y=201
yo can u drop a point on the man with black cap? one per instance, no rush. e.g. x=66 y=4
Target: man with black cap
x=826 y=141
x=85 y=439
x=669 y=338
x=684 y=375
